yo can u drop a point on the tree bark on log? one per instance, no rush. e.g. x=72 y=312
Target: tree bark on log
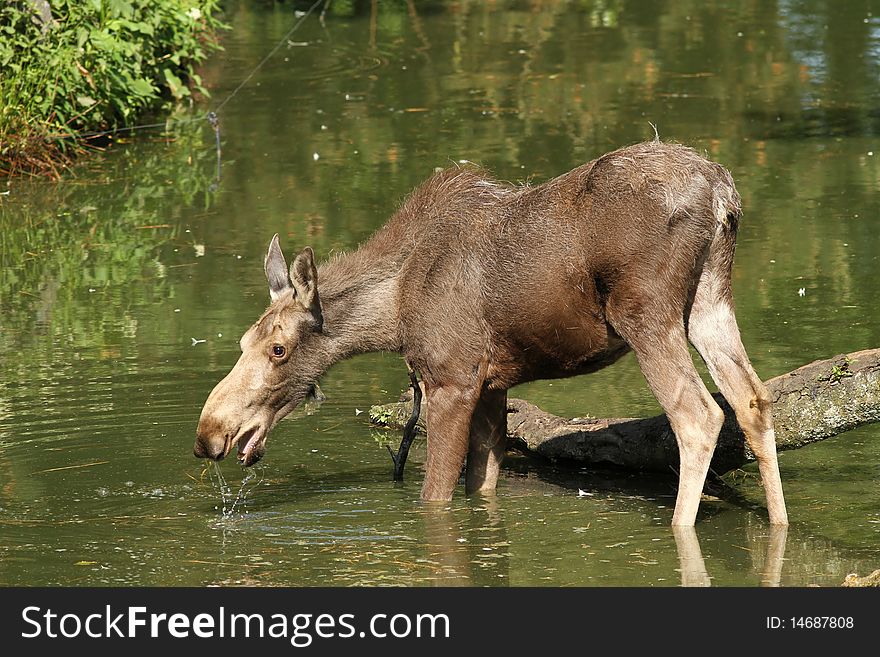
x=868 y=580
x=811 y=403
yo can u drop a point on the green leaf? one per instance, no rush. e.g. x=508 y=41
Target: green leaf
x=120 y=8
x=144 y=28
x=178 y=90
x=142 y=87
x=86 y=101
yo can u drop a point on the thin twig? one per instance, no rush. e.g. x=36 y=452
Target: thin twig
x=71 y=467
x=409 y=431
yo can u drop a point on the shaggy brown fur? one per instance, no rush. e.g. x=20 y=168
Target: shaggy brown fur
x=483 y=285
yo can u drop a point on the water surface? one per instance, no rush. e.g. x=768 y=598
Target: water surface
x=109 y=275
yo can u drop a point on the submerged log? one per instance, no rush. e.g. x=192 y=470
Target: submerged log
x=868 y=580
x=811 y=403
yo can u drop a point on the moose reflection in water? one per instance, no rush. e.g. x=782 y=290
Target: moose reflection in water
x=482 y=286
x=459 y=564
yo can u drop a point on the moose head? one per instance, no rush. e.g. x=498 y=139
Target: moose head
x=281 y=359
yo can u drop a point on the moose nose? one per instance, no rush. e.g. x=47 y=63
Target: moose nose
x=206 y=446
x=199 y=450
x=205 y=449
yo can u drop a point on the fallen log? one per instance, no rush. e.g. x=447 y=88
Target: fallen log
x=868 y=580
x=811 y=403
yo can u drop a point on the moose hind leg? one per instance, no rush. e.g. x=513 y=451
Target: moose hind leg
x=714 y=332
x=662 y=351
x=488 y=440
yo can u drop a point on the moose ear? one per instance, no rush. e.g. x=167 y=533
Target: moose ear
x=276 y=270
x=304 y=277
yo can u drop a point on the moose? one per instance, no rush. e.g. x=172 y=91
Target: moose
x=482 y=285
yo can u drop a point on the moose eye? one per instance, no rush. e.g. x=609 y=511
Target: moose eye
x=278 y=350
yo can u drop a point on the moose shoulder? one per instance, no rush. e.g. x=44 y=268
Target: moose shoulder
x=482 y=285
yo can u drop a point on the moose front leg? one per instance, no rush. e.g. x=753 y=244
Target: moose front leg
x=449 y=423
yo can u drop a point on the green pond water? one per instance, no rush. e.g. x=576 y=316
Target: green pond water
x=109 y=275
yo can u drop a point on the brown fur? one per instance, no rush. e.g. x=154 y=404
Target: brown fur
x=483 y=285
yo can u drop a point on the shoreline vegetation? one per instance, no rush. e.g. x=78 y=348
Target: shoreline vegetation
x=74 y=71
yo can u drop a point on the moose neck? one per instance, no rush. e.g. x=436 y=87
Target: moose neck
x=360 y=305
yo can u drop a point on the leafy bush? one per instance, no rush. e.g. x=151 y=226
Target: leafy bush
x=94 y=65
